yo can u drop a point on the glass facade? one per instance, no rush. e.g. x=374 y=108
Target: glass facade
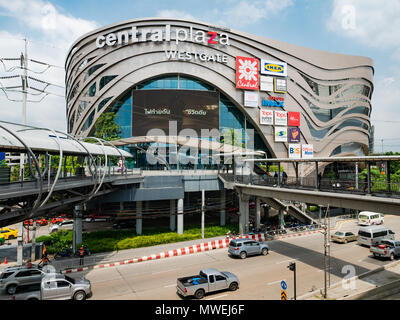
x=230 y=118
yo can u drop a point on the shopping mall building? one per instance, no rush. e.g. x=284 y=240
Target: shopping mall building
x=172 y=78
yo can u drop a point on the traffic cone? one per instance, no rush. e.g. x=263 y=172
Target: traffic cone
x=5 y=260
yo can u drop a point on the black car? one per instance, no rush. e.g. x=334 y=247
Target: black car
x=124 y=224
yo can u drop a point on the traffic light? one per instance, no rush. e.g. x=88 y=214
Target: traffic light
x=292 y=266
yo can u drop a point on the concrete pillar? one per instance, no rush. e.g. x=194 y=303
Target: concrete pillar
x=180 y=216
x=223 y=208
x=281 y=217
x=77 y=232
x=172 y=216
x=258 y=213
x=138 y=217
x=20 y=243
x=33 y=250
x=244 y=214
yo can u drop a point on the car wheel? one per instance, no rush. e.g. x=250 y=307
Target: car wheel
x=392 y=256
x=199 y=294
x=11 y=288
x=80 y=295
x=243 y=255
x=233 y=286
x=345 y=241
x=264 y=251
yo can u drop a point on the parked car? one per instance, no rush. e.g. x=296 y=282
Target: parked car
x=207 y=281
x=371 y=234
x=122 y=224
x=64 y=225
x=59 y=219
x=11 y=277
x=343 y=237
x=386 y=248
x=247 y=247
x=9 y=233
x=97 y=217
x=41 y=222
x=57 y=287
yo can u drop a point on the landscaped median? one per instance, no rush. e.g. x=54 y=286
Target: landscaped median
x=115 y=240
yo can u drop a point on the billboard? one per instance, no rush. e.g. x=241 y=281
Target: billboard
x=251 y=98
x=191 y=109
x=280 y=85
x=280 y=118
x=247 y=76
x=280 y=134
x=307 y=151
x=273 y=68
x=294 y=135
x=294 y=119
x=266 y=117
x=294 y=151
x=266 y=83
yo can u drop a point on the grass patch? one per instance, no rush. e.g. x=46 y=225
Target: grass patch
x=112 y=240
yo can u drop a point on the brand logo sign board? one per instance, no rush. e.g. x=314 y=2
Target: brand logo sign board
x=280 y=85
x=247 y=76
x=273 y=68
x=266 y=83
x=280 y=118
x=266 y=117
x=294 y=134
x=280 y=134
x=272 y=103
x=294 y=151
x=251 y=98
x=307 y=151
x=294 y=119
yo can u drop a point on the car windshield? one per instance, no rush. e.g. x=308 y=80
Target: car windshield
x=339 y=234
x=363 y=217
x=235 y=244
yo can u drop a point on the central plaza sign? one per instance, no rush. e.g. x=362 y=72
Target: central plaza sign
x=162 y=34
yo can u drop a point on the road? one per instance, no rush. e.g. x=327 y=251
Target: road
x=260 y=276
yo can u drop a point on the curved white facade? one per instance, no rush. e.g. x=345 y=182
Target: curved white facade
x=332 y=92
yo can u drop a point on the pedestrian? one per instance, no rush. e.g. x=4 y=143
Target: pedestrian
x=319 y=180
x=81 y=255
x=284 y=177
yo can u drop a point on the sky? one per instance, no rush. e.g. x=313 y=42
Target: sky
x=357 y=27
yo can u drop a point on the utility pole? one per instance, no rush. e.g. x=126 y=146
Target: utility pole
x=203 y=200
x=326 y=233
x=24 y=66
x=292 y=267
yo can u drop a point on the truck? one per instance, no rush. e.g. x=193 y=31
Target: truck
x=207 y=281
x=54 y=287
x=386 y=248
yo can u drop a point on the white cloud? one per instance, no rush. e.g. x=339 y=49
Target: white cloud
x=177 y=14
x=373 y=23
x=50 y=35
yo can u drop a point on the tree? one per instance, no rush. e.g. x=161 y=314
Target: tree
x=106 y=128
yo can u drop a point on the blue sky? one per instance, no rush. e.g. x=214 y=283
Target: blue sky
x=359 y=27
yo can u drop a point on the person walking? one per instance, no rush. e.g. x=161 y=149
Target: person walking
x=81 y=255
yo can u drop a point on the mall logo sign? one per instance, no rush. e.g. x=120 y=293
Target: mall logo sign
x=162 y=34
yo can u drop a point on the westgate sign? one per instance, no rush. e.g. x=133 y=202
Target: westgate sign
x=162 y=34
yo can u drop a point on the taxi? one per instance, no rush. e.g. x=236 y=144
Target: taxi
x=9 y=233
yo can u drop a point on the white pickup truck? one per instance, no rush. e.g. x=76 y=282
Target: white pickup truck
x=386 y=248
x=208 y=280
x=54 y=287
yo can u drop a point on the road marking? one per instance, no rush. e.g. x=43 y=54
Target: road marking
x=163 y=271
x=224 y=295
x=290 y=260
x=279 y=281
x=170 y=285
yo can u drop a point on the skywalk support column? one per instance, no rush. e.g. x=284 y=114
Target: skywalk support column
x=258 y=213
x=223 y=208
x=180 y=216
x=244 y=214
x=139 y=206
x=33 y=248
x=77 y=233
x=172 y=215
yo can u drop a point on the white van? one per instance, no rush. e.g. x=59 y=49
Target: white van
x=370 y=234
x=368 y=218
